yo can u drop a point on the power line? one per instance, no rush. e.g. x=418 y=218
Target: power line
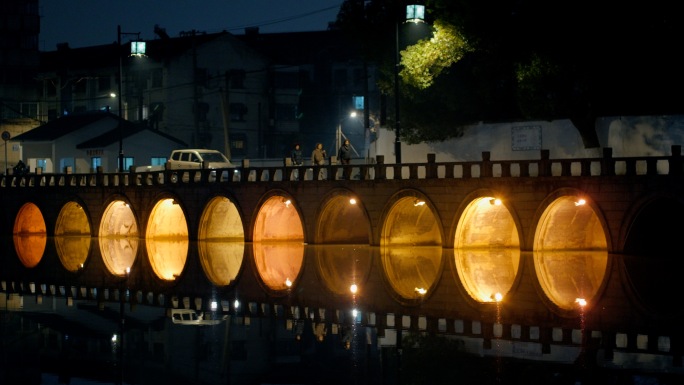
x=282 y=19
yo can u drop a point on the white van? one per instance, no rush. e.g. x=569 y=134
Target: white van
x=197 y=158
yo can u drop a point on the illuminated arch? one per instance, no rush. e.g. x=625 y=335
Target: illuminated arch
x=343 y=220
x=411 y=246
x=72 y=236
x=487 y=249
x=166 y=239
x=118 y=237
x=221 y=220
x=29 y=235
x=278 y=242
x=278 y=220
x=411 y=221
x=570 y=251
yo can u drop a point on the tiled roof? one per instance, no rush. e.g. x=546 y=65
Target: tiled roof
x=70 y=123
x=62 y=126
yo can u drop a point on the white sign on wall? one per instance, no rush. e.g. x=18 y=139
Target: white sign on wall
x=526 y=138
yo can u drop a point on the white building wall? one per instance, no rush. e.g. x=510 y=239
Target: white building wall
x=627 y=136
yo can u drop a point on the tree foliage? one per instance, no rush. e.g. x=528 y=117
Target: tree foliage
x=503 y=60
x=424 y=61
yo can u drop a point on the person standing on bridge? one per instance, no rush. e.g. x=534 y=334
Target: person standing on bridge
x=345 y=154
x=318 y=158
x=297 y=160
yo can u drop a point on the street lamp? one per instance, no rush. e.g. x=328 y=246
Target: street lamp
x=137 y=49
x=414 y=13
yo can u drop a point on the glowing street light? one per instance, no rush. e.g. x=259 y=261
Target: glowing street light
x=137 y=49
x=416 y=14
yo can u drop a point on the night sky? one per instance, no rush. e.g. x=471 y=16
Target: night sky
x=83 y=23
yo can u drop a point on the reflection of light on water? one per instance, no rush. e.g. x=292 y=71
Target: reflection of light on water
x=582 y=303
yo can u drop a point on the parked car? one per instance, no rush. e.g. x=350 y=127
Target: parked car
x=194 y=159
x=191 y=317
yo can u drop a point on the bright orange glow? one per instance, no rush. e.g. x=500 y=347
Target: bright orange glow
x=570 y=252
x=276 y=262
x=410 y=223
x=278 y=220
x=167 y=239
x=487 y=249
x=221 y=221
x=353 y=288
x=408 y=268
x=72 y=236
x=30 y=235
x=341 y=265
x=221 y=261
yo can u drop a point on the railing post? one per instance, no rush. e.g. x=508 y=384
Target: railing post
x=607 y=163
x=431 y=168
x=380 y=171
x=544 y=164
x=244 y=175
x=676 y=160
x=287 y=171
x=486 y=165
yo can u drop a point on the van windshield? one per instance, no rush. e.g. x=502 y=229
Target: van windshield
x=213 y=157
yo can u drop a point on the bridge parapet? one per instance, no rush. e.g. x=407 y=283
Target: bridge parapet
x=607 y=165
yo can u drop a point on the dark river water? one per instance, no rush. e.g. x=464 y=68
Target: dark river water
x=237 y=313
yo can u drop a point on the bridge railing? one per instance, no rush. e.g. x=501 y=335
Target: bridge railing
x=607 y=165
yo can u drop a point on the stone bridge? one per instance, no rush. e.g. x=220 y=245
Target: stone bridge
x=449 y=240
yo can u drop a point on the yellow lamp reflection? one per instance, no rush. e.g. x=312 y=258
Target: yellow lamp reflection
x=73 y=251
x=118 y=253
x=221 y=261
x=276 y=262
x=118 y=237
x=343 y=267
x=408 y=268
x=167 y=256
x=30 y=248
x=30 y=235
x=486 y=271
x=568 y=275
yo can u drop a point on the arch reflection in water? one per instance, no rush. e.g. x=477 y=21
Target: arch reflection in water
x=568 y=275
x=118 y=238
x=278 y=263
x=72 y=236
x=486 y=272
x=221 y=261
x=29 y=235
x=411 y=271
x=166 y=239
x=167 y=256
x=341 y=266
x=73 y=251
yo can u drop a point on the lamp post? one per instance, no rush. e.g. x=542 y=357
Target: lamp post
x=138 y=49
x=414 y=13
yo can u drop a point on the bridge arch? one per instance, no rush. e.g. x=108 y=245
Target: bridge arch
x=410 y=219
x=73 y=233
x=166 y=238
x=29 y=234
x=651 y=243
x=278 y=218
x=222 y=240
x=278 y=242
x=342 y=219
x=414 y=262
x=570 y=251
x=118 y=236
x=221 y=220
x=486 y=247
